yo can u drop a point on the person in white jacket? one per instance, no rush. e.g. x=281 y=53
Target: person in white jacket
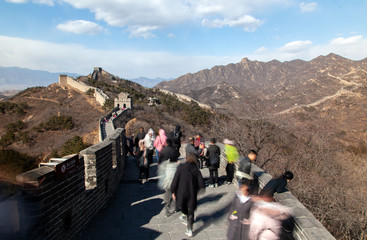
x=149 y=148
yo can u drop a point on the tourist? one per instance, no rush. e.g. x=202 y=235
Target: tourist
x=244 y=170
x=176 y=137
x=266 y=218
x=240 y=213
x=232 y=157
x=168 y=162
x=160 y=142
x=130 y=145
x=143 y=163
x=149 y=148
x=277 y=185
x=191 y=150
x=185 y=186
x=214 y=162
x=139 y=136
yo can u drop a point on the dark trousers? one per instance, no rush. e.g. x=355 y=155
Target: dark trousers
x=149 y=155
x=190 y=217
x=230 y=172
x=213 y=175
x=144 y=171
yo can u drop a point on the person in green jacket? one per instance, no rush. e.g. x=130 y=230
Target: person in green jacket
x=232 y=157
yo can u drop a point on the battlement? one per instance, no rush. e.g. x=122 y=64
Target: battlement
x=58 y=200
x=99 y=95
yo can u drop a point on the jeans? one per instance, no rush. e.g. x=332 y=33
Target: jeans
x=213 y=176
x=230 y=172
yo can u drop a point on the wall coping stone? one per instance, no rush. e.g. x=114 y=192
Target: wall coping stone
x=34 y=176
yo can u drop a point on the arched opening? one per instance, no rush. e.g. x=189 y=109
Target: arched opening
x=124 y=105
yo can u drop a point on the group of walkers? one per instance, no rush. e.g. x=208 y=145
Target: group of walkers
x=253 y=215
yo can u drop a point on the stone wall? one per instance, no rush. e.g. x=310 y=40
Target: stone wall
x=307 y=227
x=50 y=207
x=100 y=96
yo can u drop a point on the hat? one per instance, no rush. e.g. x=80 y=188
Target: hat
x=229 y=142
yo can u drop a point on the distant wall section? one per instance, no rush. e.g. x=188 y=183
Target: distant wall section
x=99 y=95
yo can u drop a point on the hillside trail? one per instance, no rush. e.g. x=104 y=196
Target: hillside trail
x=342 y=91
x=136 y=212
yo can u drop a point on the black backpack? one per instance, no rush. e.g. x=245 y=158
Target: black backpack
x=176 y=137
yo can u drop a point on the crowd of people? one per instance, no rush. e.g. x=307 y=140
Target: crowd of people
x=253 y=215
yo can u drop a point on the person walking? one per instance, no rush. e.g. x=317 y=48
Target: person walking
x=277 y=185
x=240 y=213
x=232 y=156
x=214 y=163
x=167 y=165
x=266 y=218
x=149 y=148
x=160 y=142
x=143 y=163
x=185 y=187
x=141 y=135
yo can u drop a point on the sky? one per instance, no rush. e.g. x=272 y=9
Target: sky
x=169 y=38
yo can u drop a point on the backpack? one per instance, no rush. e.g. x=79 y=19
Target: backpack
x=176 y=137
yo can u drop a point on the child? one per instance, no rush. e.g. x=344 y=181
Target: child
x=240 y=213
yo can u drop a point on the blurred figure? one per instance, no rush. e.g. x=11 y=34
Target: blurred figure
x=240 y=213
x=160 y=142
x=139 y=136
x=213 y=162
x=232 y=157
x=244 y=170
x=277 y=185
x=167 y=165
x=266 y=218
x=185 y=187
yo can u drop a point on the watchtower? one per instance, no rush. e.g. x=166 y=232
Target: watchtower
x=123 y=101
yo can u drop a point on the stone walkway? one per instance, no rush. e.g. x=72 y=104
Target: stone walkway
x=137 y=212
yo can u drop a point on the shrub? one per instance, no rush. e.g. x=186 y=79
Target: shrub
x=108 y=104
x=9 y=107
x=90 y=92
x=57 y=123
x=73 y=145
x=16 y=161
x=15 y=126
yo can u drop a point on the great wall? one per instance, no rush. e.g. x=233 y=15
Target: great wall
x=60 y=198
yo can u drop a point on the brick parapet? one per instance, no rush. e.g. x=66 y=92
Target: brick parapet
x=53 y=208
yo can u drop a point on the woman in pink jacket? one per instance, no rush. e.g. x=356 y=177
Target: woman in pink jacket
x=160 y=141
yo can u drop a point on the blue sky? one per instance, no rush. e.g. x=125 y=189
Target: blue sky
x=169 y=38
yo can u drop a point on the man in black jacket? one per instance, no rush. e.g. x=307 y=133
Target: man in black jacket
x=244 y=170
x=176 y=137
x=214 y=162
x=168 y=153
x=277 y=185
x=191 y=150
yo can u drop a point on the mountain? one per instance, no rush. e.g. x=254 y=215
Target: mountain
x=14 y=78
x=276 y=85
x=149 y=82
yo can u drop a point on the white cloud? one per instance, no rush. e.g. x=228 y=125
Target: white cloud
x=295 y=46
x=142 y=31
x=45 y=2
x=80 y=27
x=352 y=47
x=261 y=50
x=126 y=63
x=211 y=13
x=171 y=35
x=346 y=41
x=307 y=7
x=247 y=22
x=16 y=1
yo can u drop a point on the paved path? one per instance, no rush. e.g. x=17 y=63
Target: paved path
x=137 y=212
